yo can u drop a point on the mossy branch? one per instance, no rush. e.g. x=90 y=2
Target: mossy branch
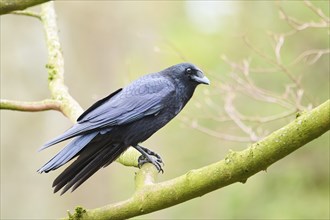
x=7 y=6
x=236 y=167
x=55 y=65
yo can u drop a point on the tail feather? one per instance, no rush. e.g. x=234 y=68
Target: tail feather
x=97 y=163
x=82 y=161
x=69 y=172
x=67 y=153
x=98 y=153
x=75 y=130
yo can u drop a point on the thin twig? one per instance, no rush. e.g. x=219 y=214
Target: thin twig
x=310 y=56
x=260 y=94
x=270 y=60
x=266 y=119
x=299 y=25
x=231 y=112
x=317 y=11
x=281 y=66
x=226 y=137
x=27 y=13
x=279 y=44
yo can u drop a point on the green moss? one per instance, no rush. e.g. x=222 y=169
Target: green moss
x=300 y=113
x=49 y=66
x=80 y=213
x=51 y=71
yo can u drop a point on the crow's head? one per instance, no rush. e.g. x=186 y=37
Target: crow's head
x=187 y=73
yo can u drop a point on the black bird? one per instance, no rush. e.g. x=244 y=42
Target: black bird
x=125 y=118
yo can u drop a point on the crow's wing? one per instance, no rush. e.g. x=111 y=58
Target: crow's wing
x=141 y=98
x=97 y=104
x=133 y=101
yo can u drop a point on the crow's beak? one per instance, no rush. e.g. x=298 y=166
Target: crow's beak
x=204 y=80
x=200 y=78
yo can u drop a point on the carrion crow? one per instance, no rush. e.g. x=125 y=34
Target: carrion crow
x=125 y=118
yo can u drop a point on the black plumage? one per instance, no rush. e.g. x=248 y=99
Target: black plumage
x=125 y=118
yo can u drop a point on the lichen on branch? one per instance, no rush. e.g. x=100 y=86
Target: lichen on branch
x=55 y=65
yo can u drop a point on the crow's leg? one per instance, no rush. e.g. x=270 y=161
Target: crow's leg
x=149 y=156
x=151 y=153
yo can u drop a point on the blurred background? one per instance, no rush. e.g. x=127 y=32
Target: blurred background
x=266 y=60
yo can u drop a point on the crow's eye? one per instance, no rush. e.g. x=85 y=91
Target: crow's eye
x=189 y=71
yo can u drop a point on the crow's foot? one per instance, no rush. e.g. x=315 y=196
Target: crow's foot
x=149 y=156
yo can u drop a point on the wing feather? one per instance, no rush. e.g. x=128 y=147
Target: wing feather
x=139 y=99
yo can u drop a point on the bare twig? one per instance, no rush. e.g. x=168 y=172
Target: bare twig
x=231 y=112
x=310 y=56
x=270 y=60
x=283 y=68
x=297 y=25
x=260 y=94
x=265 y=119
x=235 y=65
x=226 y=137
x=279 y=44
x=27 y=13
x=317 y=11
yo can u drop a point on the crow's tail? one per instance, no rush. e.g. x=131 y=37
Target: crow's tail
x=74 y=131
x=67 y=153
x=100 y=152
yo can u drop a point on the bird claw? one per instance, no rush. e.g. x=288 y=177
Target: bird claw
x=154 y=158
x=148 y=156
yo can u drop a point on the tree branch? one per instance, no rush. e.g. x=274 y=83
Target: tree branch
x=55 y=66
x=236 y=167
x=7 y=6
x=47 y=104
